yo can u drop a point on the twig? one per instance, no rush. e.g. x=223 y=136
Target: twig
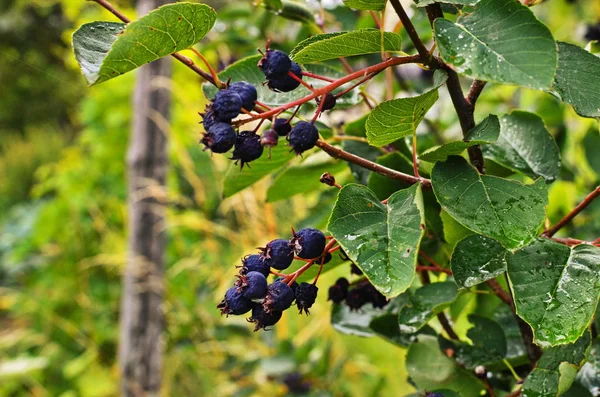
x=500 y=292
x=580 y=207
x=181 y=58
x=434 y=269
x=377 y=168
x=446 y=325
x=474 y=92
x=410 y=29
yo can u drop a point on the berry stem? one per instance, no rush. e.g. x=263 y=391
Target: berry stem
x=262 y=105
x=181 y=58
x=317 y=76
x=434 y=269
x=414 y=155
x=319 y=109
x=334 y=249
x=212 y=71
x=353 y=86
x=580 y=207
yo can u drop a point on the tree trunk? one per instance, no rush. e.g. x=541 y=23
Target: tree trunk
x=142 y=323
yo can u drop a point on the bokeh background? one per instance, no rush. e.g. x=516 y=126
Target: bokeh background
x=63 y=215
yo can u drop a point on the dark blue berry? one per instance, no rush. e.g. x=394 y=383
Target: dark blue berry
x=324 y=259
x=263 y=318
x=254 y=263
x=208 y=118
x=303 y=136
x=235 y=303
x=286 y=83
x=219 y=138
x=306 y=294
x=253 y=285
x=309 y=243
x=247 y=92
x=435 y=395
x=296 y=383
x=356 y=298
x=275 y=64
x=338 y=291
x=227 y=105
x=247 y=148
x=278 y=254
x=282 y=127
x=279 y=297
x=329 y=102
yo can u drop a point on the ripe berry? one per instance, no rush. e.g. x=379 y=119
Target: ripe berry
x=296 y=383
x=324 y=259
x=247 y=92
x=252 y=285
x=355 y=299
x=279 y=297
x=247 y=148
x=262 y=318
x=282 y=127
x=275 y=64
x=219 y=138
x=269 y=140
x=303 y=136
x=329 y=102
x=227 y=105
x=235 y=303
x=208 y=118
x=306 y=294
x=278 y=254
x=376 y=298
x=355 y=270
x=309 y=243
x=338 y=291
x=435 y=395
x=254 y=263
x=286 y=83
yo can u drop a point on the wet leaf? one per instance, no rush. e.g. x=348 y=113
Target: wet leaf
x=425 y=303
x=376 y=5
x=476 y=259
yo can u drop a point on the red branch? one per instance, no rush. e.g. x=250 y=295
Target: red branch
x=586 y=201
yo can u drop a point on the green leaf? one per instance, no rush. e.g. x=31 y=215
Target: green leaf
x=387 y=328
x=556 y=370
x=382 y=186
x=423 y=3
x=501 y=41
x=383 y=240
x=476 y=259
x=526 y=146
x=426 y=302
x=355 y=322
x=236 y=179
x=376 y=5
x=488 y=343
x=453 y=231
x=327 y=46
x=591 y=143
x=395 y=119
x=576 y=81
x=247 y=70
x=556 y=289
x=485 y=132
x=365 y=151
x=505 y=210
x=589 y=376
x=104 y=50
x=430 y=369
x=303 y=178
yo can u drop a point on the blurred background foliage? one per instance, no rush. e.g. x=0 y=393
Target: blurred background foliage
x=63 y=214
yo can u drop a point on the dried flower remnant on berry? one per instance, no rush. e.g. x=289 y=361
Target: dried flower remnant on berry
x=235 y=303
x=252 y=285
x=309 y=243
x=278 y=254
x=306 y=294
x=254 y=263
x=247 y=148
x=279 y=297
x=263 y=319
x=219 y=138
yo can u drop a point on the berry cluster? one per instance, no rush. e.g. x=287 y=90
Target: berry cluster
x=357 y=294
x=267 y=302
x=283 y=75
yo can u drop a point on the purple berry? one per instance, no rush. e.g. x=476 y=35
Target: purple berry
x=329 y=102
x=269 y=138
x=275 y=64
x=227 y=105
x=309 y=243
x=278 y=254
x=208 y=118
x=220 y=138
x=262 y=318
x=303 y=137
x=324 y=259
x=282 y=127
x=306 y=294
x=247 y=148
x=253 y=285
x=247 y=92
x=355 y=299
x=286 y=83
x=254 y=263
x=280 y=297
x=338 y=291
x=235 y=303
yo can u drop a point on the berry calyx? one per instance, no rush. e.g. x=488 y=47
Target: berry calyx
x=227 y=105
x=247 y=148
x=286 y=83
x=303 y=137
x=235 y=303
x=306 y=294
x=337 y=292
x=278 y=254
x=280 y=297
x=252 y=285
x=282 y=127
x=219 y=138
x=309 y=243
x=275 y=64
x=262 y=318
x=247 y=93
x=254 y=263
